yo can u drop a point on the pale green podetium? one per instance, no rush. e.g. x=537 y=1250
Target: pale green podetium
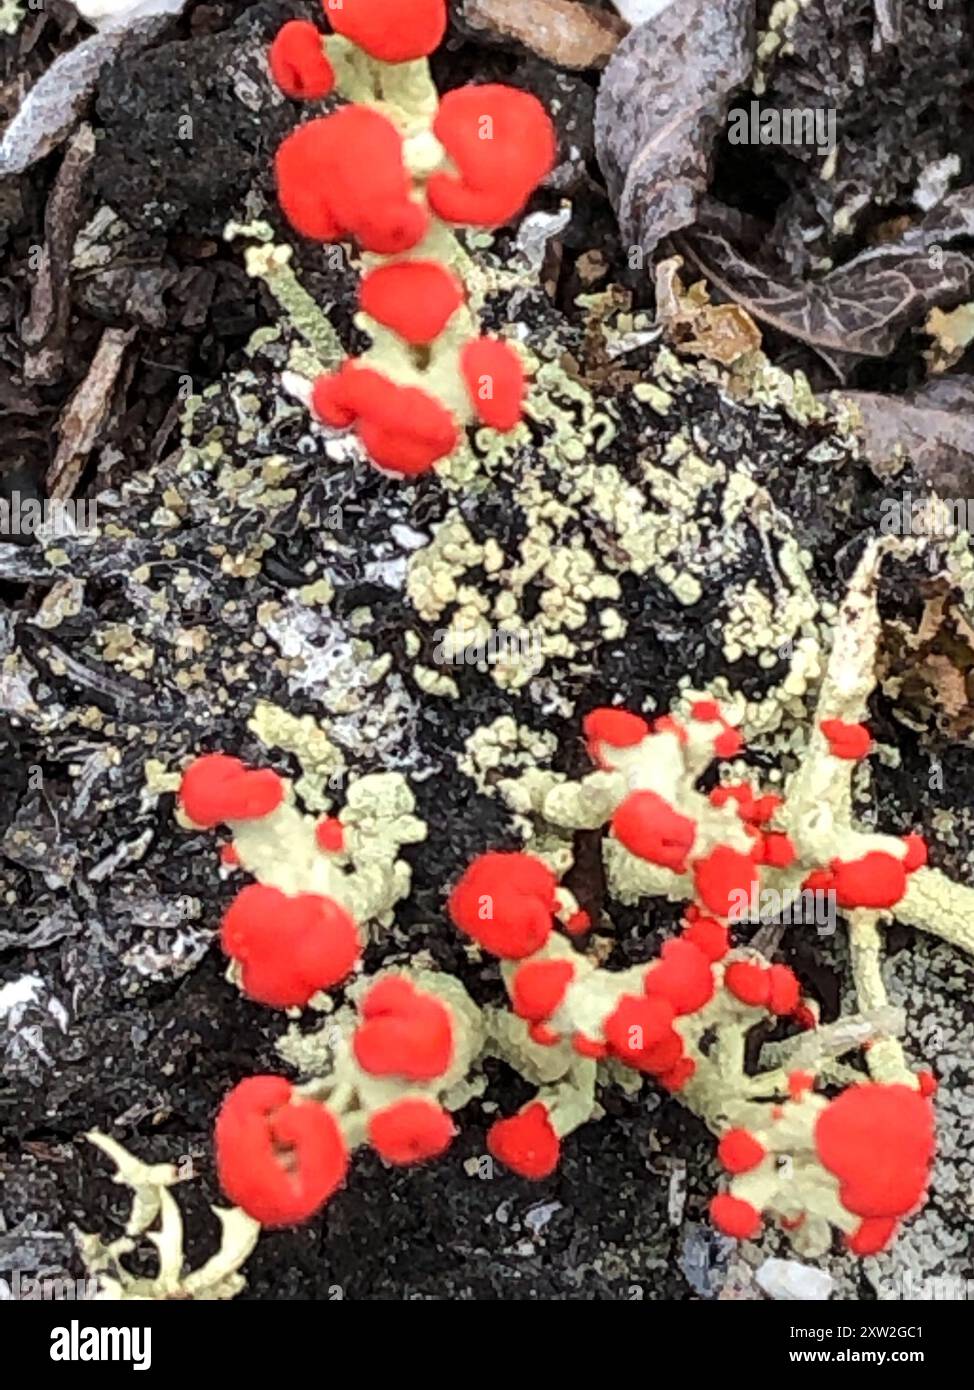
x=367 y=877
x=155 y=1219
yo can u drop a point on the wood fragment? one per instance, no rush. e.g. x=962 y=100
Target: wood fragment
x=565 y=32
x=86 y=412
x=45 y=327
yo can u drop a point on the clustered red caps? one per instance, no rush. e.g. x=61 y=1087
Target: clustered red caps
x=875 y=880
x=298 y=62
x=404 y=1032
x=501 y=144
x=876 y=1139
x=651 y=828
x=343 y=177
x=879 y=1142
x=394 y=31
x=773 y=987
x=505 y=902
x=216 y=789
x=640 y=1031
x=403 y=428
x=288 y=947
x=278 y=1156
x=526 y=1142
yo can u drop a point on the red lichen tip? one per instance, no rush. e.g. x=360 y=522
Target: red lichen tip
x=640 y=1032
x=749 y=983
x=872 y=1235
x=410 y=1131
x=678 y=1075
x=706 y=711
x=683 y=977
x=494 y=376
x=394 y=31
x=876 y=880
x=501 y=143
x=777 y=850
x=879 y=1142
x=217 y=788
x=735 y=1217
x=784 y=991
x=589 y=1047
x=403 y=428
x=850 y=741
x=739 y=1151
x=728 y=743
x=725 y=882
x=799 y=1082
x=278 y=1156
x=578 y=923
x=298 y=63
x=343 y=176
x=709 y=936
x=543 y=1035
x=288 y=948
x=539 y=986
x=619 y=728
x=916 y=853
x=505 y=902
x=404 y=1032
x=416 y=299
x=650 y=828
x=330 y=835
x=526 y=1142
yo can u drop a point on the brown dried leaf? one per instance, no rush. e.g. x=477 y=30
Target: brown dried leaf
x=565 y=32
x=929 y=671
x=660 y=107
x=721 y=332
x=861 y=309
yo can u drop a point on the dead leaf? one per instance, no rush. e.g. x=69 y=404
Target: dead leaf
x=932 y=427
x=929 y=671
x=721 y=332
x=860 y=309
x=660 y=107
